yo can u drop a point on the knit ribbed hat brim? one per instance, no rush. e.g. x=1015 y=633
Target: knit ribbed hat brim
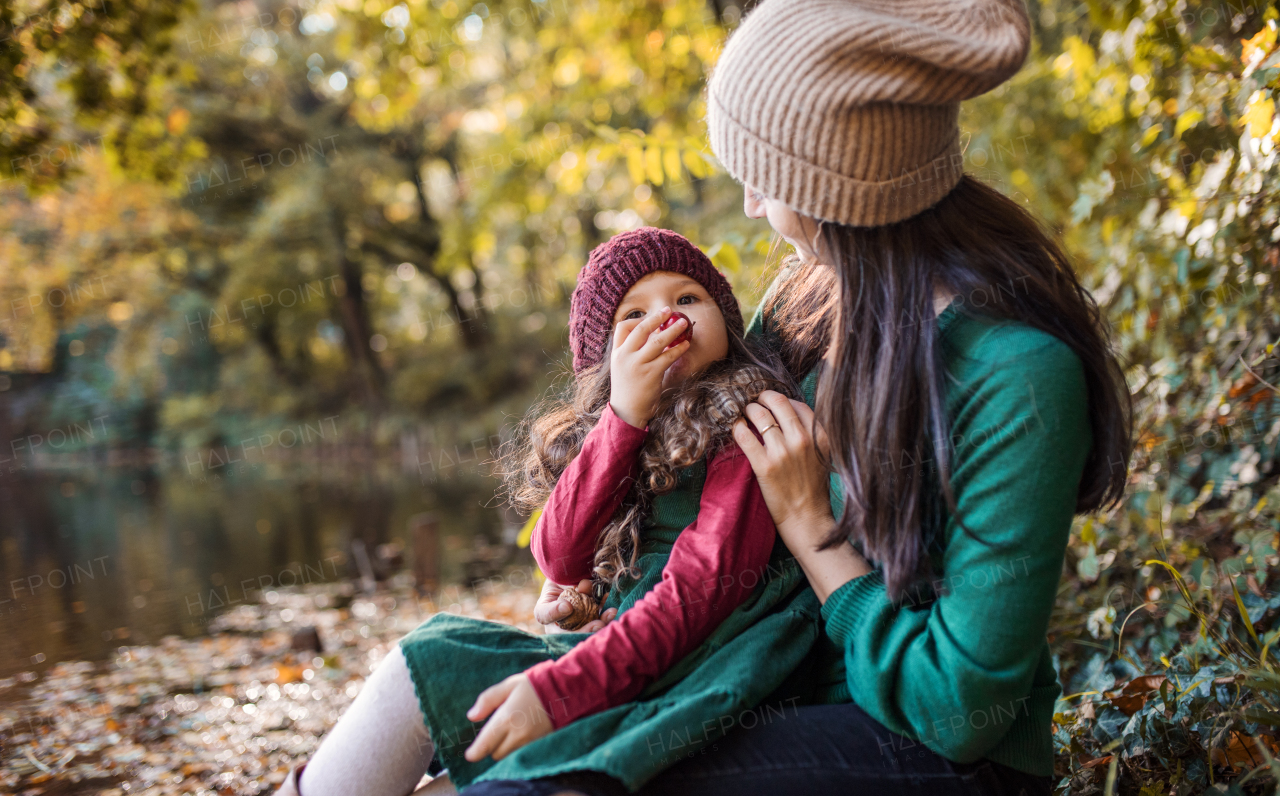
x=848 y=111
x=617 y=264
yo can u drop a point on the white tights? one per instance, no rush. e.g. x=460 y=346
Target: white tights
x=380 y=746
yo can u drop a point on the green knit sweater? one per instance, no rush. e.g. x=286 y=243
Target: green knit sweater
x=968 y=672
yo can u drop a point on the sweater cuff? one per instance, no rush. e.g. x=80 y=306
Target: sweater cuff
x=848 y=606
x=620 y=429
x=544 y=685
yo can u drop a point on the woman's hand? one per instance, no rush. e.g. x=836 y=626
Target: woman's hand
x=639 y=359
x=518 y=718
x=795 y=487
x=551 y=609
x=786 y=464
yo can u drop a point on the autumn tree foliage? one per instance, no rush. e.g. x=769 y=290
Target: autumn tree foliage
x=214 y=213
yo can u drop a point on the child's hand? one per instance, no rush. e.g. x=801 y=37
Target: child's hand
x=550 y=609
x=638 y=363
x=518 y=718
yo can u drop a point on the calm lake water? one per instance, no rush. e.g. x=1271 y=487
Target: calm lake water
x=95 y=558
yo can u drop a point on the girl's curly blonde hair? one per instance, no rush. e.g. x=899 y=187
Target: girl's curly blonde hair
x=693 y=421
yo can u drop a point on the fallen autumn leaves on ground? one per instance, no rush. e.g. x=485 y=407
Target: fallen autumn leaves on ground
x=229 y=713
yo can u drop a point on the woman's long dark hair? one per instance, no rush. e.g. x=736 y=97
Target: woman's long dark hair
x=693 y=421
x=882 y=403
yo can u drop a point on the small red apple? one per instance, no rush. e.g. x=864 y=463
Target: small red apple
x=688 y=331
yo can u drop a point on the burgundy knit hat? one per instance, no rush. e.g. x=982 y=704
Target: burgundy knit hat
x=617 y=264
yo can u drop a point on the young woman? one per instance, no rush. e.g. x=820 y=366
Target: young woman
x=961 y=388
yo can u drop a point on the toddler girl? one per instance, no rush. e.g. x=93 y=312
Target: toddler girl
x=642 y=491
x=648 y=401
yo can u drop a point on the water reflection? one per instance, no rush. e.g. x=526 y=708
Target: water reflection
x=92 y=559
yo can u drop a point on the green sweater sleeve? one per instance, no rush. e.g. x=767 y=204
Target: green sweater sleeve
x=953 y=672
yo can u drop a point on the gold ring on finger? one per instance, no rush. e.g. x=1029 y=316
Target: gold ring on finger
x=766 y=428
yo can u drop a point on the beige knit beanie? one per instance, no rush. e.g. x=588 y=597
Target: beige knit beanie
x=847 y=110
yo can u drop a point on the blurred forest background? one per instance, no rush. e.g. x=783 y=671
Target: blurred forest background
x=254 y=254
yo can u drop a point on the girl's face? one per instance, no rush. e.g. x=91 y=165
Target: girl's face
x=684 y=294
x=785 y=221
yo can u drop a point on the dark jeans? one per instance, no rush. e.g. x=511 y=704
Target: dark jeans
x=810 y=751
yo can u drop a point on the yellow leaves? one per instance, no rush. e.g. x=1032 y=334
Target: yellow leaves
x=525 y=537
x=605 y=132
x=1244 y=616
x=1087 y=534
x=367 y=87
x=1205 y=59
x=694 y=162
x=1080 y=57
x=150 y=126
x=26 y=117
x=725 y=257
x=484 y=243
x=1260 y=114
x=655 y=157
x=671 y=164
x=1062 y=65
x=1186 y=121
x=676 y=15
x=635 y=165
x=653 y=165
x=177 y=121
x=1254 y=50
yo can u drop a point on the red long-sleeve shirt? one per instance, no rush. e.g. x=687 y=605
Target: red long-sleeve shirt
x=701 y=584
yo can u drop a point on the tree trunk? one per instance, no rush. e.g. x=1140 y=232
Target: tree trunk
x=473 y=324
x=357 y=331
